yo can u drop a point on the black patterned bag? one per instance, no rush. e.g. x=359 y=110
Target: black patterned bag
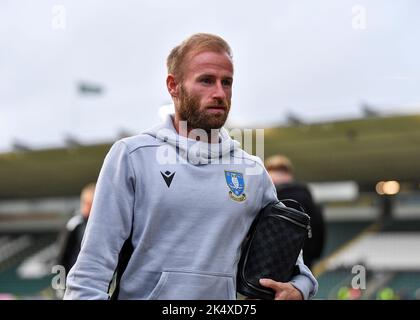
x=271 y=248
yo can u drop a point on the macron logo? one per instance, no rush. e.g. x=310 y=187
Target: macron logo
x=168 y=177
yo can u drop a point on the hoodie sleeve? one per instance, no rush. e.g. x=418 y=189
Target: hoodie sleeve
x=269 y=190
x=305 y=282
x=108 y=227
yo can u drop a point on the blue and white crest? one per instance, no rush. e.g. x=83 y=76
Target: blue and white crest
x=236 y=184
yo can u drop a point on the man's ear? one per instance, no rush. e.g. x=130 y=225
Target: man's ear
x=172 y=85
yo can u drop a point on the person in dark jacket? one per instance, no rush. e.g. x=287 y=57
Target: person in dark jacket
x=71 y=238
x=280 y=170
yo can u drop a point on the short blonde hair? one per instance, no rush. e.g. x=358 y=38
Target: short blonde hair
x=87 y=190
x=279 y=163
x=196 y=43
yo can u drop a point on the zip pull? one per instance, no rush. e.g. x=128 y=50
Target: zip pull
x=309 y=231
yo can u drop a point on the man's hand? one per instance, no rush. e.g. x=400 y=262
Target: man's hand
x=283 y=290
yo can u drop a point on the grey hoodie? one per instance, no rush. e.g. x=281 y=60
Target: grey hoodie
x=187 y=206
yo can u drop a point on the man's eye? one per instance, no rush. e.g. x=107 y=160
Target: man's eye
x=206 y=80
x=227 y=83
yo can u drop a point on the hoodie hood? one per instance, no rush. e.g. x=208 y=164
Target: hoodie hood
x=191 y=150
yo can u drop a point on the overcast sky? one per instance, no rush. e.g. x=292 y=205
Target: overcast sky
x=317 y=59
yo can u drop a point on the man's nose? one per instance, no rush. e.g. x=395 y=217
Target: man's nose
x=219 y=92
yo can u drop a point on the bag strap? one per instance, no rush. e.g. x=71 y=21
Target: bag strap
x=294 y=203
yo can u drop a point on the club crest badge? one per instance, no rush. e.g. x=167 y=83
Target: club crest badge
x=236 y=184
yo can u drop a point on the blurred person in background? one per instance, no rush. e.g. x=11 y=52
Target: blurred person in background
x=280 y=169
x=71 y=238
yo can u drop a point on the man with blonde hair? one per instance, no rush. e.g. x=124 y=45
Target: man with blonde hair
x=179 y=196
x=280 y=169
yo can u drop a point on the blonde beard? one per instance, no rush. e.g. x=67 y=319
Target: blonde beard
x=189 y=110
